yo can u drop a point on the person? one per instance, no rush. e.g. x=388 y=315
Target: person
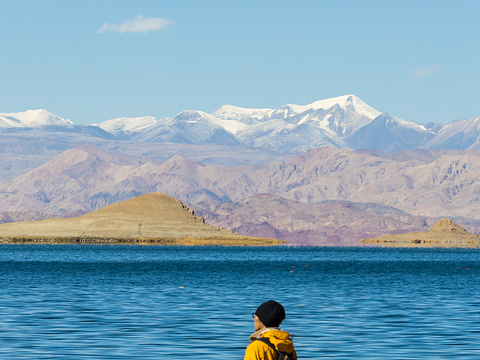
x=268 y=339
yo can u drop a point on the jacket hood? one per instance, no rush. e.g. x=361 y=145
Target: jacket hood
x=279 y=338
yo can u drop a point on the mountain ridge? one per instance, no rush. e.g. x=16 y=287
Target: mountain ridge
x=434 y=185
x=333 y=157
x=342 y=122
x=31 y=118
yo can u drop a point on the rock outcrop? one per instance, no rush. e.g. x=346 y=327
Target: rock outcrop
x=445 y=233
x=447 y=226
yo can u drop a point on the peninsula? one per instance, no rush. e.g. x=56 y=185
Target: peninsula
x=151 y=219
x=445 y=233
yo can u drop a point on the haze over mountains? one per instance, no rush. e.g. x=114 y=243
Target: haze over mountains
x=259 y=172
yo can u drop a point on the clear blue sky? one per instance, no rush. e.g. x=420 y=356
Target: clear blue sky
x=90 y=61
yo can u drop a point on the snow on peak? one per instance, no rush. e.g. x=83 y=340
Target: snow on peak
x=128 y=124
x=192 y=116
x=31 y=118
x=350 y=102
x=228 y=112
x=250 y=116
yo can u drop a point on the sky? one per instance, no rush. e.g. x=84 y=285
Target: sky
x=90 y=61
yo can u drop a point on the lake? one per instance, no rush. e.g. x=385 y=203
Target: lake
x=152 y=302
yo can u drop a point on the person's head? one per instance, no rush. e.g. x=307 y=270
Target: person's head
x=269 y=314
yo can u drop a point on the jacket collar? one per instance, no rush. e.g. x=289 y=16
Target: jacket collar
x=259 y=333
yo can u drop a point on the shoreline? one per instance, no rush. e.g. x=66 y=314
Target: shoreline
x=421 y=243
x=246 y=241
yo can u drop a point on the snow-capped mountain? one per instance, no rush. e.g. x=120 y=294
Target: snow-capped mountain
x=390 y=134
x=291 y=128
x=340 y=115
x=461 y=134
x=341 y=122
x=126 y=127
x=191 y=127
x=31 y=119
x=244 y=115
x=298 y=128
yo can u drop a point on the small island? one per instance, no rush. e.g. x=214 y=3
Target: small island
x=445 y=233
x=151 y=219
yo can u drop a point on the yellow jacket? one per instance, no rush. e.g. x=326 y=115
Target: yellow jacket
x=258 y=350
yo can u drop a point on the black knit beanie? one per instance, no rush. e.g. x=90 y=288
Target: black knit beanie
x=271 y=313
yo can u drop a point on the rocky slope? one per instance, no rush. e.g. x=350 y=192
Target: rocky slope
x=328 y=224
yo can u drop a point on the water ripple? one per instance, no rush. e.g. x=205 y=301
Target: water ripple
x=108 y=302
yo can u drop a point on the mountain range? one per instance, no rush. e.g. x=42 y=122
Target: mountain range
x=341 y=122
x=322 y=196
x=327 y=173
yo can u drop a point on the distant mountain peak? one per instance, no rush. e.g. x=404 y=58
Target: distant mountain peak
x=181 y=161
x=229 y=112
x=342 y=122
x=31 y=118
x=127 y=125
x=350 y=102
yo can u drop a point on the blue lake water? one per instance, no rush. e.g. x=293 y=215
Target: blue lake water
x=127 y=302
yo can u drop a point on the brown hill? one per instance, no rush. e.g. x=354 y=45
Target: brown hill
x=151 y=218
x=448 y=226
x=445 y=233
